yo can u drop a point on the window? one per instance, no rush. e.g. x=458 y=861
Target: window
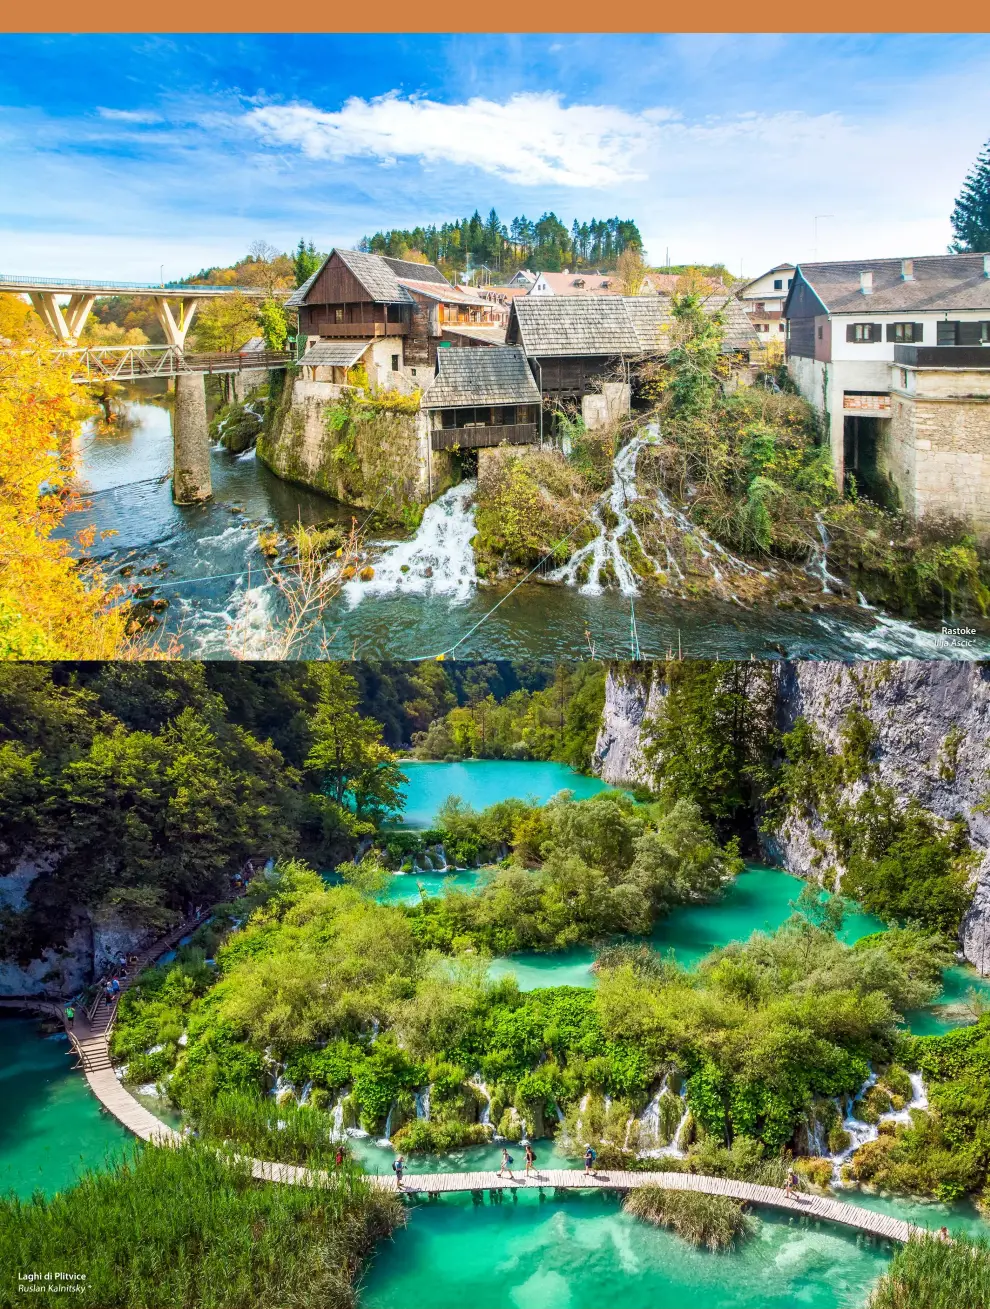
x=395 y=363
x=778 y=284
x=864 y=333
x=338 y=315
x=956 y=333
x=821 y=332
x=790 y=283
x=905 y=332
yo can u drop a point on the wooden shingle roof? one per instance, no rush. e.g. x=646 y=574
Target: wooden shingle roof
x=407 y=270
x=468 y=377
x=612 y=325
x=572 y=325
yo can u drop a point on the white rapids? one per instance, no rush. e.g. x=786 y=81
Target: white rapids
x=438 y=560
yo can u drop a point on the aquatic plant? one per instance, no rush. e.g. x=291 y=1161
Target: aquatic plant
x=713 y=1221
x=187 y=1226
x=929 y=1273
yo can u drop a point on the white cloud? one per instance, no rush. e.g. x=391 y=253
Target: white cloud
x=129 y=115
x=531 y=139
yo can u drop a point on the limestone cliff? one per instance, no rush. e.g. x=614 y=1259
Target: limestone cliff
x=932 y=722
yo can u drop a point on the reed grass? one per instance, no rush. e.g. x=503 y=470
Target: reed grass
x=713 y=1221
x=187 y=1227
x=288 y=1133
x=928 y=1273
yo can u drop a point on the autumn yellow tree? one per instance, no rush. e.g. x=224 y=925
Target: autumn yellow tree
x=48 y=609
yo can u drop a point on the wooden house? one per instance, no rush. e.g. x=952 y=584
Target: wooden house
x=401 y=310
x=482 y=398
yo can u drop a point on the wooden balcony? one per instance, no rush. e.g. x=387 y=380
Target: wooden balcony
x=360 y=331
x=476 y=438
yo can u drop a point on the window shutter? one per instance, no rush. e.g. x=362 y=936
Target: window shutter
x=969 y=334
x=876 y=333
x=891 y=336
x=919 y=332
x=946 y=334
x=850 y=331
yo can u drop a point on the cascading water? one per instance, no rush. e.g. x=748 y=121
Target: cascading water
x=438 y=560
x=423 y=1104
x=304 y=1093
x=605 y=553
x=818 y=564
x=861 y=1133
x=386 y=1140
x=337 y=1130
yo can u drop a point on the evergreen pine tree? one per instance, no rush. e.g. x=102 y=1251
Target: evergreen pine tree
x=971 y=215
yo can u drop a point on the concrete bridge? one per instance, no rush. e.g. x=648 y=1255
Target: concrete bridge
x=64 y=305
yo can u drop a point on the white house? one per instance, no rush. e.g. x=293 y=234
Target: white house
x=895 y=354
x=764 y=298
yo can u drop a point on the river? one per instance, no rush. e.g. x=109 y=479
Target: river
x=573 y=1251
x=222 y=603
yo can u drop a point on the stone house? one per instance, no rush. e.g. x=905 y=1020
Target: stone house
x=895 y=355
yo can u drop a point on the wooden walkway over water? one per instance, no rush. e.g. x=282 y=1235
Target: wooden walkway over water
x=94 y=1051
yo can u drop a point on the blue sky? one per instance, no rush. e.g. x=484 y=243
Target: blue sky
x=120 y=154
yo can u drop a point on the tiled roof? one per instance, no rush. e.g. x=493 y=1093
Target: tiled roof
x=588 y=282
x=336 y=354
x=298 y=296
x=377 y=278
x=481 y=377
x=407 y=270
x=940 y=282
x=493 y=333
x=445 y=292
x=612 y=325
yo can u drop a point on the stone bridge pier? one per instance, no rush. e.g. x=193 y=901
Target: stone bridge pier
x=191 y=441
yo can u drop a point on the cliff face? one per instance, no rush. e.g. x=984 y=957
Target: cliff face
x=932 y=724
x=90 y=942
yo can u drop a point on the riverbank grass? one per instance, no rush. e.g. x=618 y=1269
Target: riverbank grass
x=180 y=1227
x=712 y=1221
x=928 y=1273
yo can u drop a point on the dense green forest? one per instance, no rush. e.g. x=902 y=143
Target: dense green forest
x=544 y=244
x=148 y=785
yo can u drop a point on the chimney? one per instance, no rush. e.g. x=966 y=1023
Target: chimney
x=907 y=270
x=866 y=283
x=986 y=265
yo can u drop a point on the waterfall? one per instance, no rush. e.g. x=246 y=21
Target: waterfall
x=675 y=1148
x=438 y=560
x=606 y=548
x=441 y=856
x=861 y=1133
x=337 y=1130
x=482 y=1089
x=558 y=1111
x=304 y=1093
x=423 y=1104
x=282 y=1084
x=386 y=1140
x=819 y=561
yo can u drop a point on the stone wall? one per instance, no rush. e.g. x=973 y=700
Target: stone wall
x=939 y=445
x=379 y=458
x=913 y=705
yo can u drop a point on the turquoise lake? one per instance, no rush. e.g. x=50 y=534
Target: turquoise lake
x=483 y=782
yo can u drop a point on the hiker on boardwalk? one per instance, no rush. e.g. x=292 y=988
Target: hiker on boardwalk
x=397 y=1166
x=70 y=1016
x=530 y=1157
x=791 y=1183
x=506 y=1165
x=589 y=1159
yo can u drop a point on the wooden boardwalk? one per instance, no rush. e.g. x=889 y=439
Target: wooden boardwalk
x=94 y=1051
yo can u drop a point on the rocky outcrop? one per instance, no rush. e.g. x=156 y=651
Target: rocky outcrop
x=89 y=942
x=631 y=700
x=932 y=725
x=316 y=435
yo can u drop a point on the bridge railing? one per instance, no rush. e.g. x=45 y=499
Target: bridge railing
x=130 y=362
x=69 y=284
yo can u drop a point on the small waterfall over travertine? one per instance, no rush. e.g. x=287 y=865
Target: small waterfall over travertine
x=861 y=1133
x=423 y=1104
x=438 y=560
x=605 y=559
